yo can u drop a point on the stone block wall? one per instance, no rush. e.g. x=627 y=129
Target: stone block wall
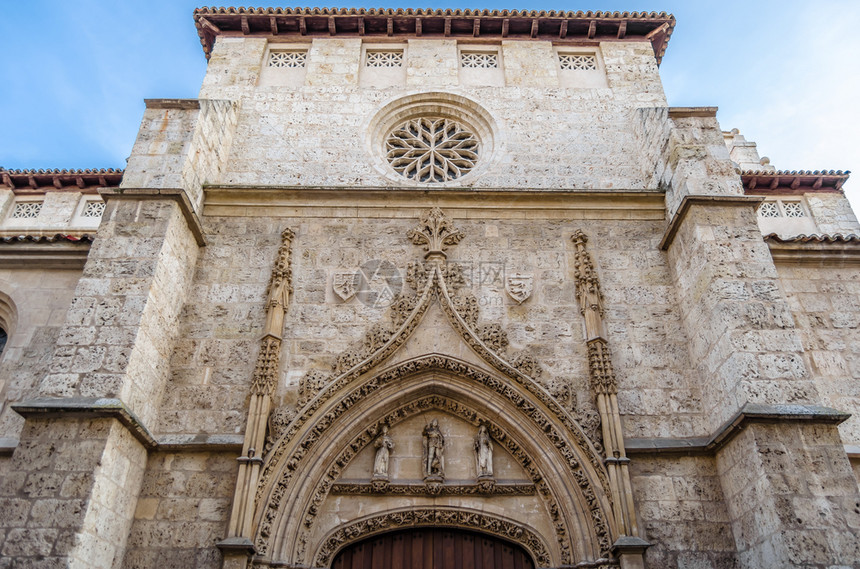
x=825 y=305
x=39 y=301
x=182 y=510
x=791 y=497
x=832 y=213
x=182 y=143
x=584 y=143
x=742 y=336
x=67 y=494
x=681 y=504
x=211 y=368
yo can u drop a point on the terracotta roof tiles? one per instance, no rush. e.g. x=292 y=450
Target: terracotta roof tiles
x=560 y=26
x=57 y=179
x=59 y=237
x=815 y=238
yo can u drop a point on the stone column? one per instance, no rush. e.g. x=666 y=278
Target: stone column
x=788 y=463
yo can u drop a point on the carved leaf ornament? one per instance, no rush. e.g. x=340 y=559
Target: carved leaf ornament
x=432 y=150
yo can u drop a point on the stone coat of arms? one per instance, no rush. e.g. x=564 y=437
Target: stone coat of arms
x=343 y=284
x=519 y=286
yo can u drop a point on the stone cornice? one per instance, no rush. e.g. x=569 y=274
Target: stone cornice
x=749 y=414
x=406 y=202
x=56 y=251
x=115 y=408
x=832 y=250
x=689 y=201
x=588 y=28
x=90 y=407
x=175 y=194
x=690 y=112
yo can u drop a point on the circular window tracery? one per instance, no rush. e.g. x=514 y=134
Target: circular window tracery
x=432 y=139
x=432 y=149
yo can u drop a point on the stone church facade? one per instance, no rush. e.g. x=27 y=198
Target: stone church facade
x=412 y=285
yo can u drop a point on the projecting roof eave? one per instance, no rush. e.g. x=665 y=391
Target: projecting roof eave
x=40 y=181
x=581 y=28
x=763 y=182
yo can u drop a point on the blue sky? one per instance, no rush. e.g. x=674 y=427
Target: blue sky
x=787 y=74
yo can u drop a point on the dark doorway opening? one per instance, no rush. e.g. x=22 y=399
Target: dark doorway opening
x=433 y=548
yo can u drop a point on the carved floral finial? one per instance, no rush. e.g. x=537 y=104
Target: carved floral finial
x=435 y=233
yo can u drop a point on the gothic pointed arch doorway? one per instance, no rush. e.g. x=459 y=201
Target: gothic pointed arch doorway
x=433 y=548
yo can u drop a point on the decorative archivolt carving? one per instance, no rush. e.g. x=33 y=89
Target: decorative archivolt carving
x=461 y=369
x=310 y=384
x=279 y=418
x=416 y=489
x=435 y=517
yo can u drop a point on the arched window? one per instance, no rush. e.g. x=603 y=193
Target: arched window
x=8 y=320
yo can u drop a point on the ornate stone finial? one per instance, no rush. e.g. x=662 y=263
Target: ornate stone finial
x=282 y=272
x=587 y=288
x=435 y=233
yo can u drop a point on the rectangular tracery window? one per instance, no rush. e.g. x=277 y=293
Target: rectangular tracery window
x=781 y=208
x=287 y=58
x=479 y=60
x=384 y=58
x=577 y=62
x=26 y=210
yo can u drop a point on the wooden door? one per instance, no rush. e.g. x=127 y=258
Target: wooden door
x=433 y=548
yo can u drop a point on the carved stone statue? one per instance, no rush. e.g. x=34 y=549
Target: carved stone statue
x=383 y=444
x=434 y=448
x=484 y=453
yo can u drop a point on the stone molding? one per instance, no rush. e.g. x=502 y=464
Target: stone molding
x=90 y=407
x=185 y=104
x=692 y=112
x=539 y=485
x=178 y=195
x=421 y=489
x=43 y=253
x=831 y=251
x=748 y=415
x=688 y=201
x=285 y=467
x=433 y=517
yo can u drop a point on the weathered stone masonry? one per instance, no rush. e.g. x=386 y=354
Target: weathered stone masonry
x=652 y=332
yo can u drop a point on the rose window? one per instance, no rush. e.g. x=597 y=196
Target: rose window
x=432 y=150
